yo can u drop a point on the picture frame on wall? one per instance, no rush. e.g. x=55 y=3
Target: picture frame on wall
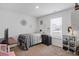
x=23 y=22
x=41 y=22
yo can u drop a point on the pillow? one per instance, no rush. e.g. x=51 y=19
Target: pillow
x=12 y=40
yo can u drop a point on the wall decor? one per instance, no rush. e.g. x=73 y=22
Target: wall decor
x=40 y=30
x=41 y=22
x=23 y=22
x=76 y=6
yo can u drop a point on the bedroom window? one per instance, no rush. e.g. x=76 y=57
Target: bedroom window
x=56 y=31
x=56 y=27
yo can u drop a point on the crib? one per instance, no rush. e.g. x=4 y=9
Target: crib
x=28 y=40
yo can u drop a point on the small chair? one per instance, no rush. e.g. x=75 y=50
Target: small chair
x=4 y=50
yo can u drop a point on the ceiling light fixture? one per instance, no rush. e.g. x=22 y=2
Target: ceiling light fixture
x=37 y=7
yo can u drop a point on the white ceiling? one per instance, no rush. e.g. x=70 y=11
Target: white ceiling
x=29 y=8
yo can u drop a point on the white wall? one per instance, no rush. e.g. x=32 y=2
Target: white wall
x=12 y=21
x=75 y=23
x=75 y=20
x=66 y=21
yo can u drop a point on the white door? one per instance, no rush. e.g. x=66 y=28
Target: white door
x=56 y=31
